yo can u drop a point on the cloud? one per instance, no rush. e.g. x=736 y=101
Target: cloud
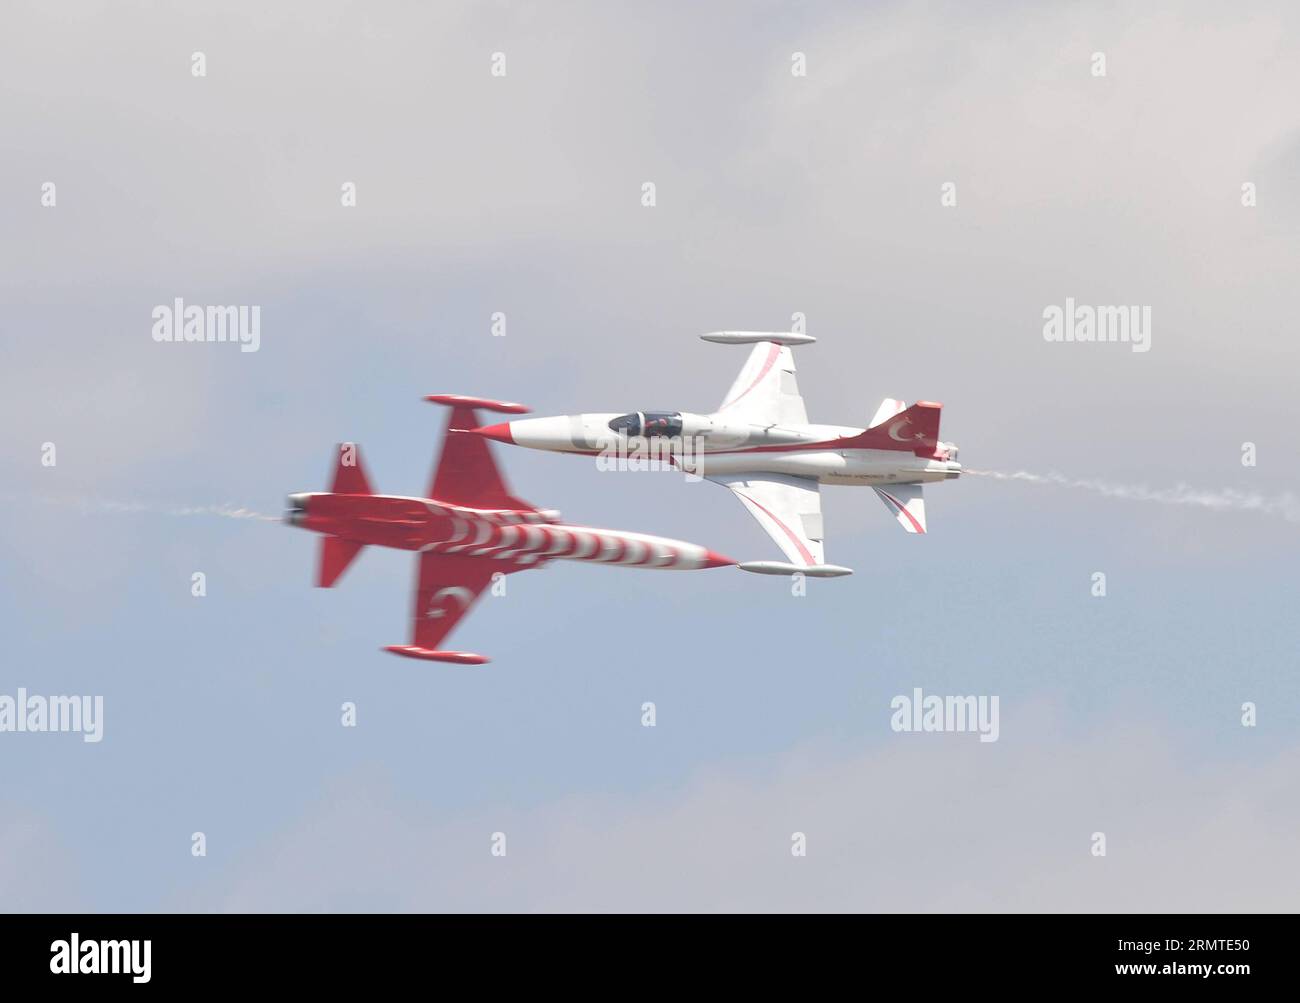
x=920 y=822
x=777 y=195
x=38 y=873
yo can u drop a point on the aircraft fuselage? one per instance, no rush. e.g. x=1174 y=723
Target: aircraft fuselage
x=705 y=445
x=521 y=537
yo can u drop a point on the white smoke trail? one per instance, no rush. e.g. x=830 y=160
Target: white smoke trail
x=1227 y=500
x=106 y=505
x=226 y=511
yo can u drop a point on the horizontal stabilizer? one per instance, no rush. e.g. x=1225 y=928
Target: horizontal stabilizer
x=907 y=502
x=888 y=408
x=335 y=556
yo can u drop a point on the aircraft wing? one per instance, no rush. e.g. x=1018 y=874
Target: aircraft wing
x=788 y=508
x=766 y=392
x=447 y=586
x=466 y=473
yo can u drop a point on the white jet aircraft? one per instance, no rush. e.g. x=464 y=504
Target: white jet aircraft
x=760 y=444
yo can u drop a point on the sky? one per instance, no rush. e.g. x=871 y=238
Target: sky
x=776 y=195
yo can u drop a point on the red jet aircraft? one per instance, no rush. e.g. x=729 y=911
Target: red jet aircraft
x=468 y=530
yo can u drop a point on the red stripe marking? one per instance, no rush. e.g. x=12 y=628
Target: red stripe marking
x=492 y=543
x=808 y=558
x=767 y=366
x=522 y=544
x=582 y=538
x=570 y=543
x=901 y=508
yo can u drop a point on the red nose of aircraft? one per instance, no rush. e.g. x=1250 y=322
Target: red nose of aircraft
x=499 y=432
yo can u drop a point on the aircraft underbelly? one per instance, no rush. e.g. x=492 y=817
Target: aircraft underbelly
x=847 y=467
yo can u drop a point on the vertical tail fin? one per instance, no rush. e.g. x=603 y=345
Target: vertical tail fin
x=914 y=429
x=349 y=478
x=349 y=474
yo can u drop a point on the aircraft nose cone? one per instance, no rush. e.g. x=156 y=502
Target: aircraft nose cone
x=499 y=432
x=712 y=559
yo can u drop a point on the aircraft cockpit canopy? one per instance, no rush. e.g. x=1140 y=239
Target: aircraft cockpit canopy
x=648 y=423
